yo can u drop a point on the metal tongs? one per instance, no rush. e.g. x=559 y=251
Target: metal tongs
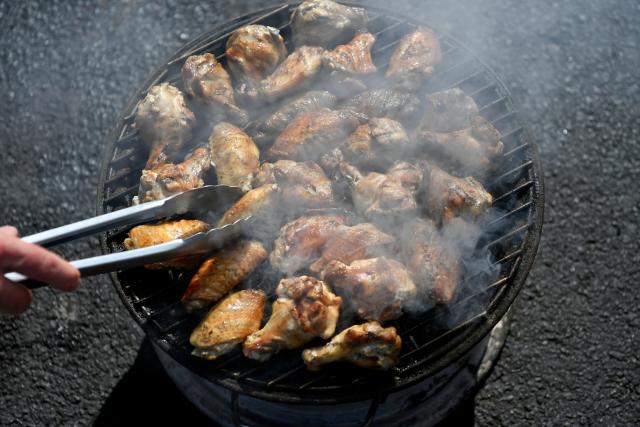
x=204 y=199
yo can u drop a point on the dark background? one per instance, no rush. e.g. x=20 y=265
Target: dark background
x=68 y=67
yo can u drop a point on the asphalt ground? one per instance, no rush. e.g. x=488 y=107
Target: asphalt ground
x=68 y=67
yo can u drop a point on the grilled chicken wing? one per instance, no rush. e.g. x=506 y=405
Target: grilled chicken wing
x=169 y=179
x=381 y=197
x=353 y=57
x=164 y=121
x=433 y=265
x=222 y=272
x=325 y=23
x=143 y=236
x=377 y=288
x=413 y=60
x=253 y=52
x=302 y=185
x=368 y=345
x=228 y=324
x=206 y=81
x=300 y=241
x=409 y=175
x=312 y=134
x=234 y=154
x=352 y=243
x=273 y=124
x=376 y=143
x=259 y=202
x=404 y=107
x=448 y=111
x=296 y=71
x=305 y=309
x=446 y=196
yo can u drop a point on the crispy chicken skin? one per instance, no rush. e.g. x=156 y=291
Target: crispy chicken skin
x=305 y=309
x=228 y=324
x=164 y=122
x=377 y=288
x=146 y=235
x=222 y=272
x=169 y=178
x=300 y=241
x=311 y=135
x=268 y=128
x=206 y=81
x=351 y=243
x=258 y=202
x=403 y=107
x=234 y=154
x=380 y=197
x=413 y=60
x=325 y=23
x=445 y=196
x=368 y=345
x=296 y=71
x=448 y=111
x=353 y=57
x=376 y=143
x=253 y=52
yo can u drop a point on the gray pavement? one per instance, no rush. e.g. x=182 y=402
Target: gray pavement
x=68 y=67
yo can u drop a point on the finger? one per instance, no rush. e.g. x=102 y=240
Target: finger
x=9 y=231
x=38 y=263
x=14 y=297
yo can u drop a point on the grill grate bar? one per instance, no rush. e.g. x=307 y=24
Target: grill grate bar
x=493 y=103
x=286 y=375
x=510 y=234
x=482 y=89
x=319 y=378
x=121 y=194
x=509 y=193
x=516 y=149
x=513 y=212
x=503 y=117
x=511 y=132
x=500 y=177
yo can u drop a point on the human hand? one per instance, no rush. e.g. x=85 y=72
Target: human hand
x=35 y=262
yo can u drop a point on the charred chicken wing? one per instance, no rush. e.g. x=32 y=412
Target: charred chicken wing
x=413 y=60
x=368 y=345
x=448 y=111
x=325 y=23
x=353 y=57
x=222 y=272
x=376 y=143
x=404 y=107
x=228 y=324
x=293 y=73
x=234 y=155
x=305 y=309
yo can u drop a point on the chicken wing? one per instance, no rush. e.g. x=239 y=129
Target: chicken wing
x=169 y=179
x=312 y=134
x=377 y=288
x=368 y=345
x=352 y=243
x=300 y=241
x=448 y=111
x=259 y=202
x=376 y=143
x=353 y=57
x=445 y=196
x=408 y=174
x=380 y=197
x=206 y=81
x=404 y=107
x=325 y=23
x=143 y=236
x=222 y=272
x=164 y=122
x=295 y=72
x=234 y=154
x=413 y=60
x=305 y=309
x=228 y=324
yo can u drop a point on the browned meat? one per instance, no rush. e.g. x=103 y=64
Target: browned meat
x=404 y=107
x=143 y=236
x=325 y=23
x=293 y=73
x=446 y=196
x=414 y=58
x=311 y=135
x=408 y=174
x=222 y=272
x=352 y=243
x=300 y=241
x=376 y=143
x=228 y=324
x=253 y=52
x=169 y=179
x=305 y=309
x=207 y=82
x=368 y=345
x=448 y=111
x=164 y=122
x=353 y=57
x=234 y=155
x=377 y=288
x=259 y=202
x=382 y=197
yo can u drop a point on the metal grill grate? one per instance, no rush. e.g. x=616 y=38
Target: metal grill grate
x=153 y=296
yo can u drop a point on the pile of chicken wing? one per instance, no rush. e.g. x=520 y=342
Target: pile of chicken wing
x=347 y=173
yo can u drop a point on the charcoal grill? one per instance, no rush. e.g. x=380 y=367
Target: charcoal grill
x=429 y=345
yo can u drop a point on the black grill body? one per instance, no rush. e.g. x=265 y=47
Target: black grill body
x=429 y=345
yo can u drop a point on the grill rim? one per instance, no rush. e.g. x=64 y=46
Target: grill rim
x=448 y=353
